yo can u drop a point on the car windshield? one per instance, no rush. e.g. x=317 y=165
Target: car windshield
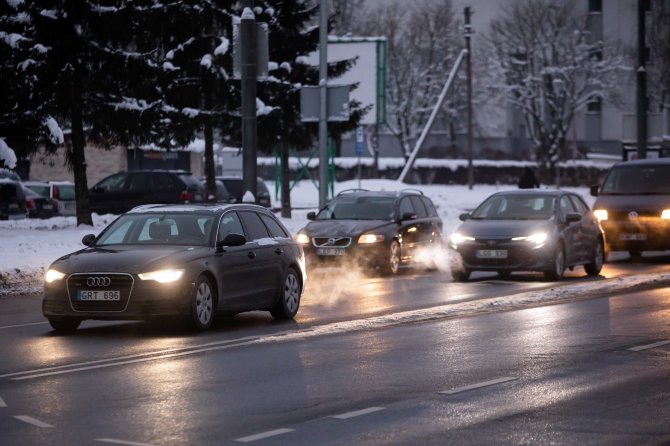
x=359 y=208
x=178 y=228
x=63 y=191
x=637 y=179
x=515 y=207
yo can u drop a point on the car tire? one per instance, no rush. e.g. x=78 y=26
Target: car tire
x=593 y=268
x=289 y=297
x=558 y=265
x=460 y=274
x=202 y=305
x=392 y=265
x=64 y=325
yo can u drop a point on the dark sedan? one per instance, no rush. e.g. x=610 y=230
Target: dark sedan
x=191 y=261
x=546 y=231
x=379 y=230
x=38 y=206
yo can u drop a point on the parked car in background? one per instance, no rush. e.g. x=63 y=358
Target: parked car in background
x=122 y=191
x=633 y=206
x=38 y=206
x=380 y=230
x=528 y=230
x=233 y=191
x=12 y=200
x=61 y=192
x=191 y=261
x=9 y=174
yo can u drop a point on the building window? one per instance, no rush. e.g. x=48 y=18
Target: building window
x=594 y=105
x=595 y=5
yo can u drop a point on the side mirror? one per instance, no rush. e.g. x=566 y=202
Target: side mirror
x=594 y=190
x=232 y=239
x=311 y=215
x=408 y=216
x=464 y=216
x=88 y=239
x=573 y=217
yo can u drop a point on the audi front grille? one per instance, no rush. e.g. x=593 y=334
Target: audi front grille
x=99 y=282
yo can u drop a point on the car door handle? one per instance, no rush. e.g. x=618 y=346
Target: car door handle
x=251 y=255
x=279 y=251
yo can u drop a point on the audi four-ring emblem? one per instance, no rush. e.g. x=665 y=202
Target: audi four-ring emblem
x=98 y=281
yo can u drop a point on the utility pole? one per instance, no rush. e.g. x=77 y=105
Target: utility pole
x=468 y=32
x=641 y=82
x=323 y=103
x=248 y=80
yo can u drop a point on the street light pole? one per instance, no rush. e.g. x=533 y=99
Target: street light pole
x=248 y=81
x=468 y=32
x=641 y=83
x=323 y=103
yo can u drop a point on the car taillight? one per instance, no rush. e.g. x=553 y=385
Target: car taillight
x=30 y=204
x=185 y=196
x=54 y=192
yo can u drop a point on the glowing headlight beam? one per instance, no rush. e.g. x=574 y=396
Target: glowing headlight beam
x=665 y=215
x=52 y=275
x=457 y=238
x=601 y=214
x=302 y=238
x=370 y=238
x=163 y=275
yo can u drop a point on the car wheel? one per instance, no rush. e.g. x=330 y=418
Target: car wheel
x=202 y=305
x=64 y=325
x=393 y=262
x=558 y=265
x=289 y=297
x=593 y=269
x=460 y=274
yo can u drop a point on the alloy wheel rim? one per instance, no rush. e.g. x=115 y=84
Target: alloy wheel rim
x=203 y=303
x=291 y=292
x=394 y=260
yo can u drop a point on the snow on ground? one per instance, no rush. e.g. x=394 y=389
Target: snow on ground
x=27 y=247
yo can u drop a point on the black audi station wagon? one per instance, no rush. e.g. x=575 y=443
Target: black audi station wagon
x=191 y=261
x=379 y=230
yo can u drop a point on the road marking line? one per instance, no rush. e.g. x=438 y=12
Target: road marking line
x=648 y=346
x=33 y=421
x=478 y=385
x=357 y=413
x=263 y=435
x=2 y=403
x=112 y=440
x=22 y=325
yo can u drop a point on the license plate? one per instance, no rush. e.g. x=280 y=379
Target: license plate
x=69 y=206
x=47 y=206
x=491 y=253
x=13 y=206
x=627 y=237
x=106 y=295
x=330 y=251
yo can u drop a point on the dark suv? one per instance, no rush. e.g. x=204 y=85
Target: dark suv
x=231 y=190
x=381 y=230
x=122 y=191
x=12 y=200
x=633 y=206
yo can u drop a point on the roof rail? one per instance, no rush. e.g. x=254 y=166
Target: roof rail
x=419 y=191
x=351 y=191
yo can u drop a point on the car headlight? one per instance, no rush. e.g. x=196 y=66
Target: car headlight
x=52 y=275
x=457 y=238
x=302 y=238
x=665 y=215
x=370 y=238
x=536 y=239
x=163 y=275
x=601 y=214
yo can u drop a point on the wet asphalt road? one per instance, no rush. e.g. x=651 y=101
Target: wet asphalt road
x=594 y=371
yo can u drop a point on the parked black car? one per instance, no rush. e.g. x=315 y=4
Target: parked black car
x=231 y=190
x=382 y=230
x=541 y=230
x=123 y=191
x=12 y=200
x=633 y=206
x=38 y=206
x=192 y=261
